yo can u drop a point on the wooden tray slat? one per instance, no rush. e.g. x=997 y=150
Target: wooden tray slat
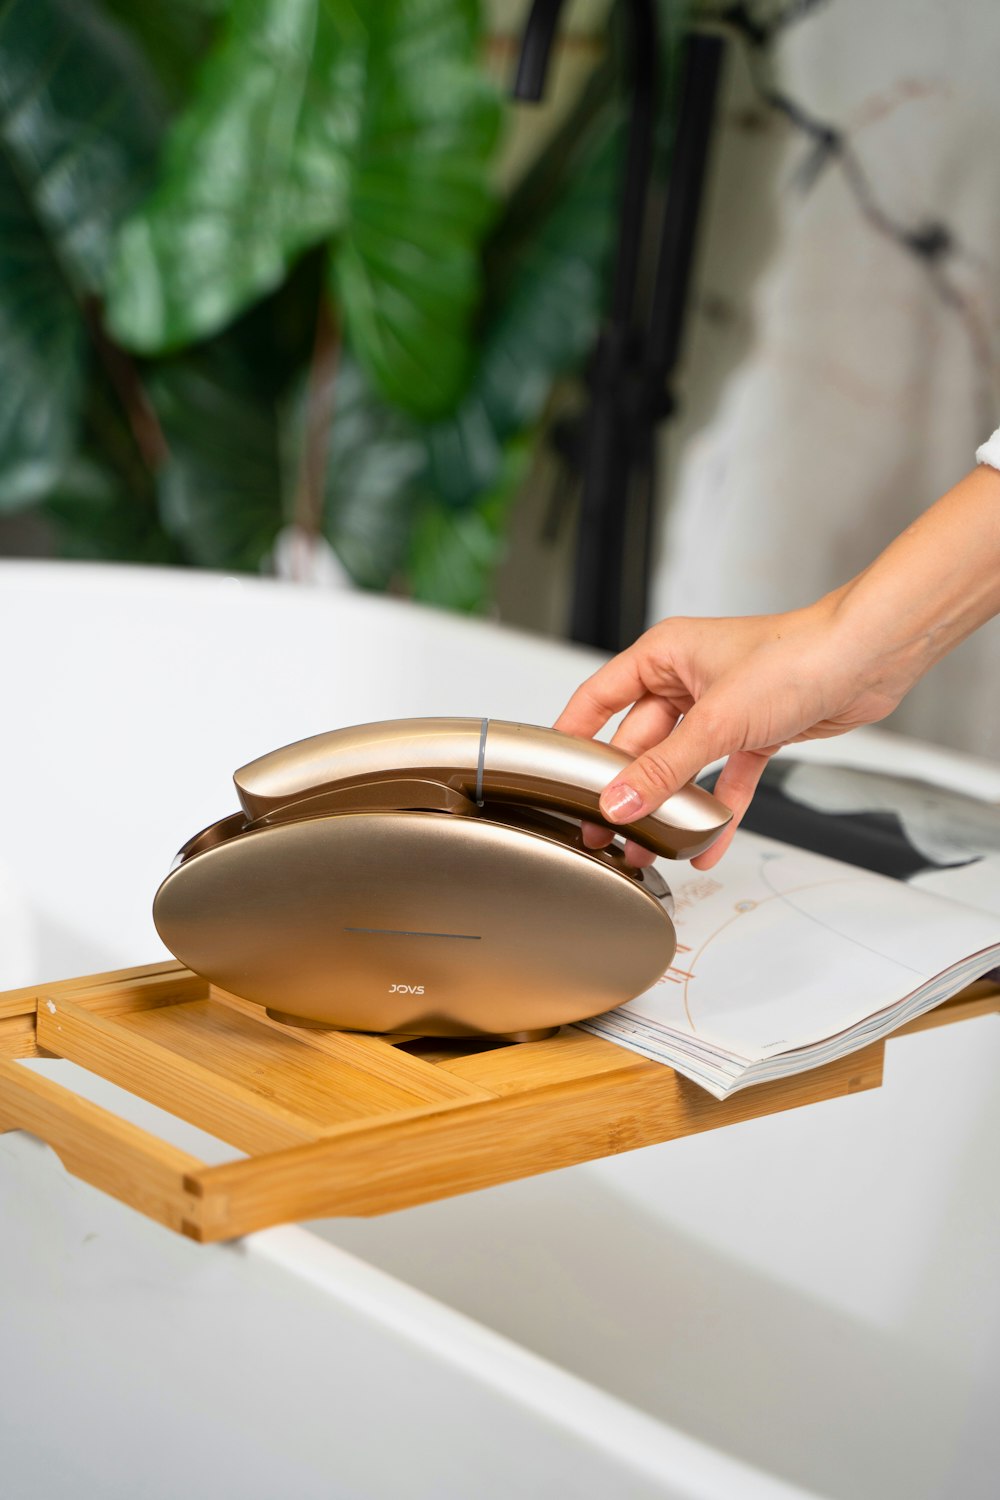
x=110 y=986
x=382 y=1168
x=569 y=1054
x=110 y=1153
x=342 y=1123
x=17 y=1037
x=369 y=1053
x=283 y=1069
x=203 y=1096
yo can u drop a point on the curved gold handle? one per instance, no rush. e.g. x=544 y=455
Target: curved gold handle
x=482 y=758
x=528 y=764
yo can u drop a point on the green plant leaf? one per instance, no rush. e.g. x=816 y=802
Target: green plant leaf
x=221 y=492
x=547 y=266
x=454 y=551
x=173 y=38
x=254 y=171
x=406 y=270
x=545 y=304
x=78 y=132
x=374 y=456
x=552 y=304
x=41 y=347
x=548 y=262
x=314 y=119
x=235 y=454
x=96 y=517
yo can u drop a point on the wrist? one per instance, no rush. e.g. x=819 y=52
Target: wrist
x=885 y=645
x=933 y=586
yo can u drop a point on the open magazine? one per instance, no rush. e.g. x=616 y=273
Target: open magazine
x=788 y=958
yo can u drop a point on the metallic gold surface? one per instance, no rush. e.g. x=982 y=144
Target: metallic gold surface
x=406 y=795
x=439 y=749
x=509 y=1036
x=431 y=923
x=428 y=876
x=544 y=766
x=521 y=762
x=206 y=838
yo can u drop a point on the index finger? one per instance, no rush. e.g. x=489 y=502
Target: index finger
x=611 y=688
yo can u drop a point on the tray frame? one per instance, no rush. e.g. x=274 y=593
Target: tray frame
x=342 y=1123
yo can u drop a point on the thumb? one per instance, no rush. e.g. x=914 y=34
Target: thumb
x=663 y=768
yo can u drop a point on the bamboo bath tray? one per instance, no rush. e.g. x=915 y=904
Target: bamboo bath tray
x=340 y=1123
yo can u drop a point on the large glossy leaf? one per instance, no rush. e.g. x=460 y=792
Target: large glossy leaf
x=545 y=310
x=219 y=496
x=372 y=126
x=548 y=261
x=375 y=454
x=236 y=454
x=174 y=38
x=222 y=491
x=255 y=170
x=96 y=516
x=41 y=366
x=454 y=551
x=548 y=264
x=78 y=130
x=406 y=269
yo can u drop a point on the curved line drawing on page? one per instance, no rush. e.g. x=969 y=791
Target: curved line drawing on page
x=808 y=885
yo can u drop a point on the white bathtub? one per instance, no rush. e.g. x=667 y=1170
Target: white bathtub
x=804 y=1305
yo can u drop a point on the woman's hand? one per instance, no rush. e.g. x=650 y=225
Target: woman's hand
x=700 y=689
x=742 y=688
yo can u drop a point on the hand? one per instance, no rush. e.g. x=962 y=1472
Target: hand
x=700 y=689
x=742 y=688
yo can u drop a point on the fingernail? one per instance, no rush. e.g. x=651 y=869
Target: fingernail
x=621 y=803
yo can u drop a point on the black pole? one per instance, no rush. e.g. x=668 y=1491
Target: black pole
x=682 y=208
x=536 y=44
x=631 y=366
x=699 y=85
x=601 y=533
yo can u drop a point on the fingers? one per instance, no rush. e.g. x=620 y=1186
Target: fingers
x=595 y=835
x=646 y=723
x=637 y=855
x=669 y=749
x=612 y=687
x=650 y=720
x=659 y=771
x=738 y=780
x=712 y=856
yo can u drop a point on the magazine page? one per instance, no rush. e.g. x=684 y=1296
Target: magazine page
x=933 y=837
x=779 y=948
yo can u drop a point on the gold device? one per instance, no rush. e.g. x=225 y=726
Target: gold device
x=428 y=876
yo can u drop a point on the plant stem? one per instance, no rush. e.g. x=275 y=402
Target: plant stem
x=127 y=385
x=307 y=515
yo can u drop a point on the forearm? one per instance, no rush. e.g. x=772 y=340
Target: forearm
x=933 y=586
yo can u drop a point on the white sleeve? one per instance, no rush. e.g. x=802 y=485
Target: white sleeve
x=989 y=452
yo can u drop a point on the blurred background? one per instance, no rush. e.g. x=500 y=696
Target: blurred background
x=299 y=288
